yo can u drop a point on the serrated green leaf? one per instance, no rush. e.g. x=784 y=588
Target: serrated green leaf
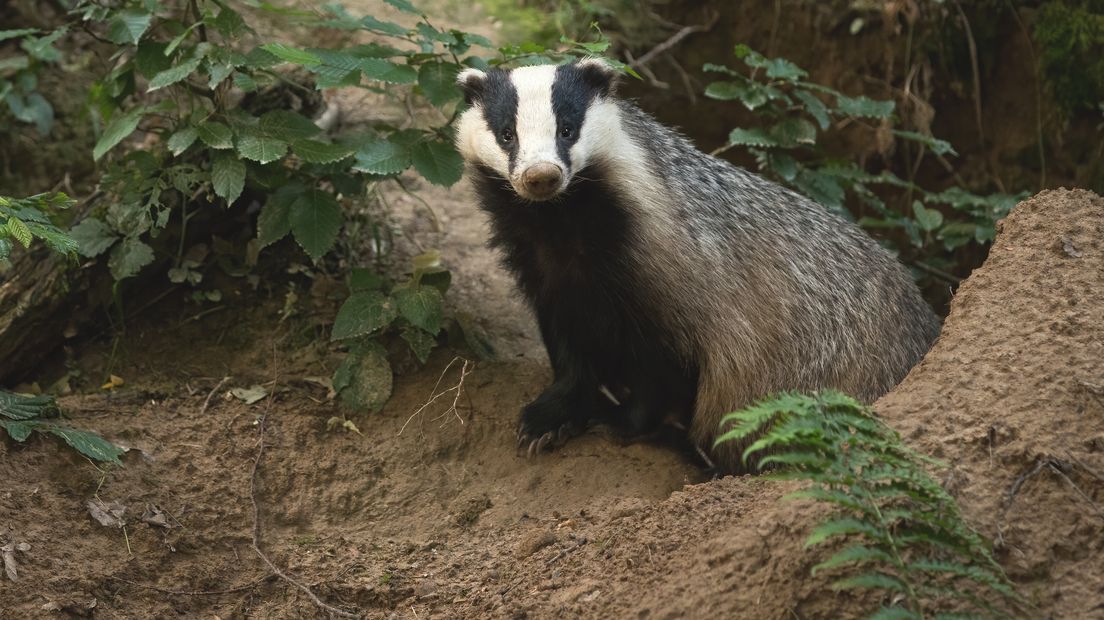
x=128 y=258
x=175 y=74
x=93 y=237
x=382 y=157
x=227 y=176
x=438 y=82
x=245 y=82
x=117 y=130
x=793 y=132
x=42 y=48
x=756 y=136
x=386 y=71
x=336 y=66
x=19 y=231
x=782 y=69
x=438 y=162
x=261 y=148
x=128 y=26
x=316 y=218
x=423 y=306
x=21 y=407
x=15 y=34
x=215 y=135
x=273 y=223
x=404 y=5
x=291 y=54
x=285 y=125
x=937 y=146
x=53 y=237
x=317 y=152
x=179 y=39
x=421 y=342
x=363 y=313
x=864 y=107
x=182 y=139
x=260 y=58
x=725 y=91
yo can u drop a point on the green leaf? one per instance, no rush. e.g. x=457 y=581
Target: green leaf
x=382 y=157
x=171 y=76
x=93 y=237
x=291 y=54
x=855 y=555
x=286 y=126
x=387 y=71
x=927 y=219
x=363 y=313
x=438 y=82
x=150 y=59
x=365 y=378
x=227 y=176
x=274 y=223
x=871 y=581
x=42 y=48
x=757 y=137
x=21 y=407
x=793 y=132
x=215 y=135
x=19 y=431
x=725 y=91
x=128 y=258
x=336 y=66
x=230 y=24
x=89 y=444
x=128 y=26
x=117 y=130
x=438 y=162
x=315 y=219
x=842 y=527
x=864 y=107
x=403 y=5
x=388 y=28
x=317 y=152
x=423 y=306
x=421 y=342
x=937 y=146
x=19 y=231
x=782 y=69
x=15 y=34
x=182 y=139
x=261 y=148
x=815 y=107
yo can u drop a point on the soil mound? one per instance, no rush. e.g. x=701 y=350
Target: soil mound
x=433 y=515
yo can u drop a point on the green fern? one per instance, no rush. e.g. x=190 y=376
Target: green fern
x=895 y=530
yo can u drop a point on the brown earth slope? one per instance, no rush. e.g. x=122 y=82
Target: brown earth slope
x=439 y=518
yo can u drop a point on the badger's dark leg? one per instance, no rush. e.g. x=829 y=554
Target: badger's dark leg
x=573 y=399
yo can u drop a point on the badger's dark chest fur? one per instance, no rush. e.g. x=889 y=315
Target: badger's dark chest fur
x=572 y=260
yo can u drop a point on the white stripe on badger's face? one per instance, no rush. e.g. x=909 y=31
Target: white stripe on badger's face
x=536 y=124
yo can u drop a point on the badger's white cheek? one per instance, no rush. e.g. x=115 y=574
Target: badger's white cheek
x=597 y=136
x=477 y=144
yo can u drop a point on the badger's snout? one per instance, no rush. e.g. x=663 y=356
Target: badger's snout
x=542 y=180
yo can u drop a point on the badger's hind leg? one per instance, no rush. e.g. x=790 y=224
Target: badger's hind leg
x=559 y=413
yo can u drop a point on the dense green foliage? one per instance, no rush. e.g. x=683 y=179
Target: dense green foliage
x=19 y=78
x=894 y=529
x=23 y=220
x=1071 y=35
x=794 y=113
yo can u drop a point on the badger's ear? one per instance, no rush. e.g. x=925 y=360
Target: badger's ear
x=472 y=82
x=599 y=74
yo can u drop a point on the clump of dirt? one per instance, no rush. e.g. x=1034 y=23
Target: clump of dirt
x=1012 y=397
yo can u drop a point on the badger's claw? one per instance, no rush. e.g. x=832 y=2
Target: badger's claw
x=534 y=445
x=539 y=444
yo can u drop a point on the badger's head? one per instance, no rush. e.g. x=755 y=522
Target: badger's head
x=537 y=127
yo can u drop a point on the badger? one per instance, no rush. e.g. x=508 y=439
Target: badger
x=666 y=281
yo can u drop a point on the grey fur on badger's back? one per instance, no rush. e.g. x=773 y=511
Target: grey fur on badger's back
x=649 y=261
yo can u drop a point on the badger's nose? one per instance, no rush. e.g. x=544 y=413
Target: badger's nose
x=542 y=179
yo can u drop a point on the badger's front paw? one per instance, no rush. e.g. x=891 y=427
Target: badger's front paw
x=545 y=424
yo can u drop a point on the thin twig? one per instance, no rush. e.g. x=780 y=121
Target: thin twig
x=1054 y=466
x=434 y=394
x=674 y=40
x=207 y=401
x=257 y=513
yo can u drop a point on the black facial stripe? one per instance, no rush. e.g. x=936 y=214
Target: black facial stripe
x=572 y=91
x=500 y=103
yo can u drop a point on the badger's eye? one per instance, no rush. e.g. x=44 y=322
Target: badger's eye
x=566 y=131
x=507 y=135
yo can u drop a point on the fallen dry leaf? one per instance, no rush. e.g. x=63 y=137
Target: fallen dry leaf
x=113 y=382
x=249 y=395
x=155 y=516
x=107 y=515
